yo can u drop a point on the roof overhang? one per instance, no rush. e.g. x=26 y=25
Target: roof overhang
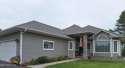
x=16 y=29
x=111 y=35
x=10 y=30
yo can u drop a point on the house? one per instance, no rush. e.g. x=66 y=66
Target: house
x=33 y=39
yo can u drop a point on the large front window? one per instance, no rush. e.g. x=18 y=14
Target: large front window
x=102 y=46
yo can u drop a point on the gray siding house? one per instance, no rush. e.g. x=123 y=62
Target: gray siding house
x=34 y=39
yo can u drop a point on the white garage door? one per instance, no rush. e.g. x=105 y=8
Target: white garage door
x=7 y=50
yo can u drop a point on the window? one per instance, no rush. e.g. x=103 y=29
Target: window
x=102 y=46
x=77 y=46
x=115 y=43
x=48 y=45
x=102 y=37
x=70 y=45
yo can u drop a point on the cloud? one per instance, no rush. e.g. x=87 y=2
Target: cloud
x=61 y=13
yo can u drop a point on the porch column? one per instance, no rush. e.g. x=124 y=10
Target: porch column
x=111 y=48
x=85 y=41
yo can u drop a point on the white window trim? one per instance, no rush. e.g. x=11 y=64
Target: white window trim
x=48 y=41
x=69 y=45
x=102 y=35
x=95 y=45
x=117 y=46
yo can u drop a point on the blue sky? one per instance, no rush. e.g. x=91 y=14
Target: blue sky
x=61 y=13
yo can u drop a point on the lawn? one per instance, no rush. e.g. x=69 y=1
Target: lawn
x=89 y=64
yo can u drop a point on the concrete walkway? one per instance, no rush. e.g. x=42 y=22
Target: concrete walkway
x=52 y=63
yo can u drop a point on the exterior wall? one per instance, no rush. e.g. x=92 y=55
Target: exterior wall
x=71 y=54
x=102 y=33
x=111 y=53
x=13 y=36
x=108 y=38
x=102 y=54
x=33 y=46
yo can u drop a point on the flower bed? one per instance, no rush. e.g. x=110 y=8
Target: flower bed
x=45 y=59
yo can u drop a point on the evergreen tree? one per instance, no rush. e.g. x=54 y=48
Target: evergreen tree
x=120 y=25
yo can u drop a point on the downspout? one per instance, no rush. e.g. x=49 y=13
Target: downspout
x=21 y=43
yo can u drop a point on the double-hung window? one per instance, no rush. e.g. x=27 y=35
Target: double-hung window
x=70 y=45
x=48 y=45
x=115 y=46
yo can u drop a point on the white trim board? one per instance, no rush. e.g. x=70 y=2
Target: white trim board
x=48 y=41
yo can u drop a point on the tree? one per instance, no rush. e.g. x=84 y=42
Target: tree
x=121 y=20
x=120 y=25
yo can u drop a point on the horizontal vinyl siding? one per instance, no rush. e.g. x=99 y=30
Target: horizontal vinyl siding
x=103 y=54
x=33 y=46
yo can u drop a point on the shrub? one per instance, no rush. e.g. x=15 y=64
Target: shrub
x=15 y=60
x=123 y=52
x=61 y=58
x=32 y=62
x=45 y=59
x=53 y=59
x=40 y=60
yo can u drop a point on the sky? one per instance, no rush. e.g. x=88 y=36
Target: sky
x=61 y=13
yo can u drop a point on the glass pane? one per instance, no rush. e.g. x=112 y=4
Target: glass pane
x=102 y=46
x=71 y=45
x=48 y=45
x=115 y=46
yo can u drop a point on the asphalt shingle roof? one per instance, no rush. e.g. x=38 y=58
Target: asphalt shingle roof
x=34 y=25
x=74 y=29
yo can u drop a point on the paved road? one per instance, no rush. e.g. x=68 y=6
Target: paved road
x=8 y=65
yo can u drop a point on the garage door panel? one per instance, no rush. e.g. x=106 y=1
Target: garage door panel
x=7 y=50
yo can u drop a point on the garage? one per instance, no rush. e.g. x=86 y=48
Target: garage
x=7 y=50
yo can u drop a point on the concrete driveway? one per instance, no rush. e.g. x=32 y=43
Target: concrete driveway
x=4 y=64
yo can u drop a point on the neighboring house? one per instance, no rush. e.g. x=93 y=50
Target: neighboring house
x=33 y=39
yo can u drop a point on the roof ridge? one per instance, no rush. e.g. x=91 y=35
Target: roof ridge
x=40 y=23
x=71 y=26
x=94 y=27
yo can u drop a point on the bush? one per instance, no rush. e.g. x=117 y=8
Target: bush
x=32 y=62
x=61 y=58
x=45 y=59
x=123 y=52
x=40 y=60
x=15 y=60
x=53 y=59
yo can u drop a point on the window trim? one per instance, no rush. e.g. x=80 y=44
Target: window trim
x=102 y=35
x=69 y=45
x=95 y=46
x=48 y=41
x=113 y=46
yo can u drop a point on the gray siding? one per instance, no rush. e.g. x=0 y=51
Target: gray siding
x=33 y=46
x=71 y=53
x=102 y=33
x=12 y=36
x=103 y=54
x=115 y=54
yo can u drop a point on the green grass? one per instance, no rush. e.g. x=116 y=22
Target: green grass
x=89 y=64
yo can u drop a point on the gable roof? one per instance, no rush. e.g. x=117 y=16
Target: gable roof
x=74 y=29
x=90 y=29
x=36 y=27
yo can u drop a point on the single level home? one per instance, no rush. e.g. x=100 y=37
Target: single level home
x=34 y=39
